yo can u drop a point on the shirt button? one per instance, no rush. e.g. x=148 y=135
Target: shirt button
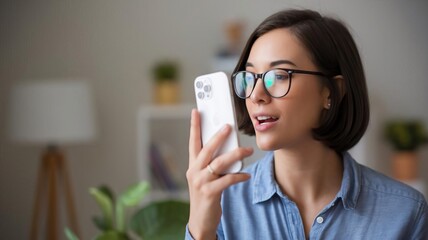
x=320 y=220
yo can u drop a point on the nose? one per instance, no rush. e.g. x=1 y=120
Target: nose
x=259 y=94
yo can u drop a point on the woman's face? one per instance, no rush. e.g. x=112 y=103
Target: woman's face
x=286 y=122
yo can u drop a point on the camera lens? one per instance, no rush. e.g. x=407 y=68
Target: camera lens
x=199 y=84
x=207 y=88
x=201 y=95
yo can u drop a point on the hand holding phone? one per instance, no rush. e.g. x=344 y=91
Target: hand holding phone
x=215 y=106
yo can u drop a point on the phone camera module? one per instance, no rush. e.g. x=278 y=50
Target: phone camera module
x=203 y=89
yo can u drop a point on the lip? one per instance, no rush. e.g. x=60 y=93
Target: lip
x=262 y=127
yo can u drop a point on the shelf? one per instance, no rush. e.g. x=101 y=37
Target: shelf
x=167 y=127
x=170 y=125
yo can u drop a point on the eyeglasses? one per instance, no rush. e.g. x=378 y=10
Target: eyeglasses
x=276 y=82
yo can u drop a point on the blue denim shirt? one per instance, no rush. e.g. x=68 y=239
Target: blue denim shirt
x=368 y=205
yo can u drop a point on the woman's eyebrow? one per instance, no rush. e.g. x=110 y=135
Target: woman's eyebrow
x=279 y=62
x=274 y=63
x=248 y=64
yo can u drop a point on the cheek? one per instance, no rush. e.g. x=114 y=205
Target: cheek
x=249 y=105
x=304 y=108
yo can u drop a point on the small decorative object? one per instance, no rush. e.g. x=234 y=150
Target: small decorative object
x=227 y=55
x=234 y=32
x=406 y=136
x=166 y=82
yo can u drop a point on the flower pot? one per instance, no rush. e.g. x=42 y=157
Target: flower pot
x=167 y=92
x=405 y=166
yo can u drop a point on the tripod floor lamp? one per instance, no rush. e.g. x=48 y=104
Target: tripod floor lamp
x=52 y=114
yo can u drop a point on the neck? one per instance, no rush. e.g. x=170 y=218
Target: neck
x=308 y=175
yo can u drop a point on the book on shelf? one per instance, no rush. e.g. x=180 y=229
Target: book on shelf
x=163 y=169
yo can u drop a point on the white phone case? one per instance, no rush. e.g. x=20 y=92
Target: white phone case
x=215 y=106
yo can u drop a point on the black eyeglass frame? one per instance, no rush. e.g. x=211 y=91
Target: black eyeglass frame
x=258 y=76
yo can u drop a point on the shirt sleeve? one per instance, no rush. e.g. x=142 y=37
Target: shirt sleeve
x=188 y=236
x=421 y=223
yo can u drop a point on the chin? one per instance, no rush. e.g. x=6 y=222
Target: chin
x=266 y=144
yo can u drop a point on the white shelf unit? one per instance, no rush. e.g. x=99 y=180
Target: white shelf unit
x=166 y=126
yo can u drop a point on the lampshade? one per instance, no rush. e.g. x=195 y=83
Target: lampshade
x=52 y=112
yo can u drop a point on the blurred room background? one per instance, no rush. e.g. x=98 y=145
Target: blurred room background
x=114 y=46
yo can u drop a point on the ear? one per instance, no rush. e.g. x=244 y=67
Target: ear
x=326 y=102
x=340 y=83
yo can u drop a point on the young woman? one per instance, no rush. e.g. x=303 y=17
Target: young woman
x=300 y=88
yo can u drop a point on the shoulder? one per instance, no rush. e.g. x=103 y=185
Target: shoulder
x=387 y=201
x=378 y=183
x=362 y=179
x=384 y=196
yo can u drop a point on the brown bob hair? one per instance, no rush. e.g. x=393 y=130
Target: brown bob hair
x=334 y=52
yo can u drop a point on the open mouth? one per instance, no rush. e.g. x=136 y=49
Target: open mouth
x=266 y=119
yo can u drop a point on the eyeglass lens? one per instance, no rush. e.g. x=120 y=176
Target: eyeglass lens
x=275 y=81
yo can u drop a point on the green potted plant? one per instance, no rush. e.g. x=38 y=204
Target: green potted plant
x=156 y=221
x=161 y=220
x=405 y=136
x=165 y=74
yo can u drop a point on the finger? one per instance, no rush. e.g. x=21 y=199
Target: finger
x=223 y=162
x=219 y=185
x=195 y=144
x=213 y=144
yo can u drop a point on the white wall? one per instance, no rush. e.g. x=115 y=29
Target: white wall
x=114 y=43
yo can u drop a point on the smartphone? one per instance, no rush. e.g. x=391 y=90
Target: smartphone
x=215 y=105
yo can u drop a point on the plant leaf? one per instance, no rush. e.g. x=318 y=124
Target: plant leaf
x=70 y=235
x=134 y=194
x=131 y=197
x=107 y=191
x=162 y=220
x=106 y=205
x=112 y=235
x=120 y=216
x=100 y=223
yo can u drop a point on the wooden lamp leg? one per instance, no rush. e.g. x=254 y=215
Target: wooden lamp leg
x=52 y=209
x=52 y=169
x=39 y=198
x=68 y=196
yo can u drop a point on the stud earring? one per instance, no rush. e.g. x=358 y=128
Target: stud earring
x=328 y=105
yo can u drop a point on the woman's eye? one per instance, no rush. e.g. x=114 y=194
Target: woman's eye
x=281 y=77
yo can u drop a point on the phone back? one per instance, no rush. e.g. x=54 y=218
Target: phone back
x=215 y=105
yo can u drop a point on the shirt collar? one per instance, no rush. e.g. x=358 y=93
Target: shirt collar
x=351 y=182
x=265 y=185
x=264 y=179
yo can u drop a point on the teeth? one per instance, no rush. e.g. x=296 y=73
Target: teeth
x=262 y=118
